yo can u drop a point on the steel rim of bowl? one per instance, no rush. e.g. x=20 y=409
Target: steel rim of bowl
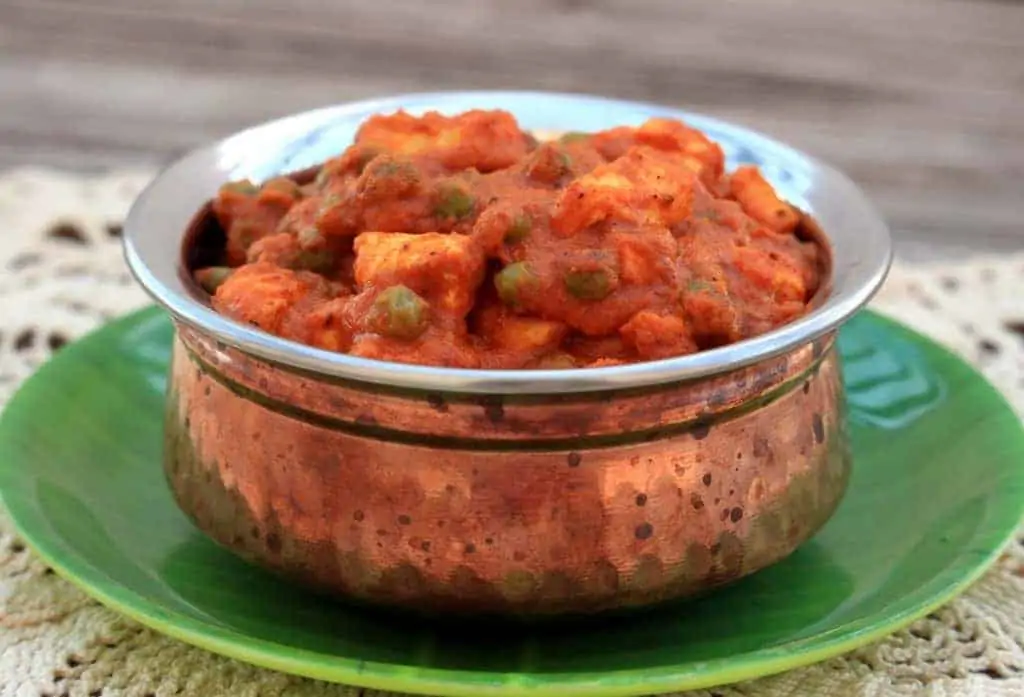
x=157 y=220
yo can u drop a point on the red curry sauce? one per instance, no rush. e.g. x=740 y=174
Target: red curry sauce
x=463 y=241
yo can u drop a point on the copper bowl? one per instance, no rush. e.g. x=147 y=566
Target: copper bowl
x=523 y=493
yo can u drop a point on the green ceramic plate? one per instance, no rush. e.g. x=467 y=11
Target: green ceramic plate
x=937 y=489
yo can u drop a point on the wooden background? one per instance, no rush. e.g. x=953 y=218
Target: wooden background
x=921 y=101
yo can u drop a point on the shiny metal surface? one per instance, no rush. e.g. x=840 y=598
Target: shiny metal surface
x=859 y=237
x=540 y=505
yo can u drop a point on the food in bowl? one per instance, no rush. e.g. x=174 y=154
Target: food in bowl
x=456 y=490
x=462 y=241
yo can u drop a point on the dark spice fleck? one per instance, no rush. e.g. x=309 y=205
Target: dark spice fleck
x=700 y=430
x=273 y=543
x=494 y=411
x=69 y=232
x=366 y=420
x=436 y=401
x=818 y=426
x=24 y=340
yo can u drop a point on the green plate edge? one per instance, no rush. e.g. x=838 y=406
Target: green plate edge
x=460 y=683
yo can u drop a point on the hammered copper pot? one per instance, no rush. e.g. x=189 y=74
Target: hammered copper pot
x=510 y=492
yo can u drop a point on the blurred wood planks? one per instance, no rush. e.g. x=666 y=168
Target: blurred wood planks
x=920 y=101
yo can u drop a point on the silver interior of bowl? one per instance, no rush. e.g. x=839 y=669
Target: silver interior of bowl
x=154 y=230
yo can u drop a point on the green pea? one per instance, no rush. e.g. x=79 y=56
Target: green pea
x=284 y=185
x=388 y=178
x=366 y=156
x=400 y=313
x=588 y=285
x=512 y=281
x=519 y=228
x=242 y=186
x=453 y=202
x=316 y=260
x=310 y=237
x=548 y=164
x=698 y=285
x=574 y=137
x=212 y=278
x=322 y=177
x=313 y=253
x=245 y=233
x=556 y=361
x=329 y=203
x=388 y=167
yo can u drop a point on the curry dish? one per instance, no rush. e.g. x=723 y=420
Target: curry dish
x=463 y=241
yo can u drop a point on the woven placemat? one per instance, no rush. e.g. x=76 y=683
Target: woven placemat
x=63 y=274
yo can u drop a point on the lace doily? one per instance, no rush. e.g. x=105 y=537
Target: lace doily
x=62 y=274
